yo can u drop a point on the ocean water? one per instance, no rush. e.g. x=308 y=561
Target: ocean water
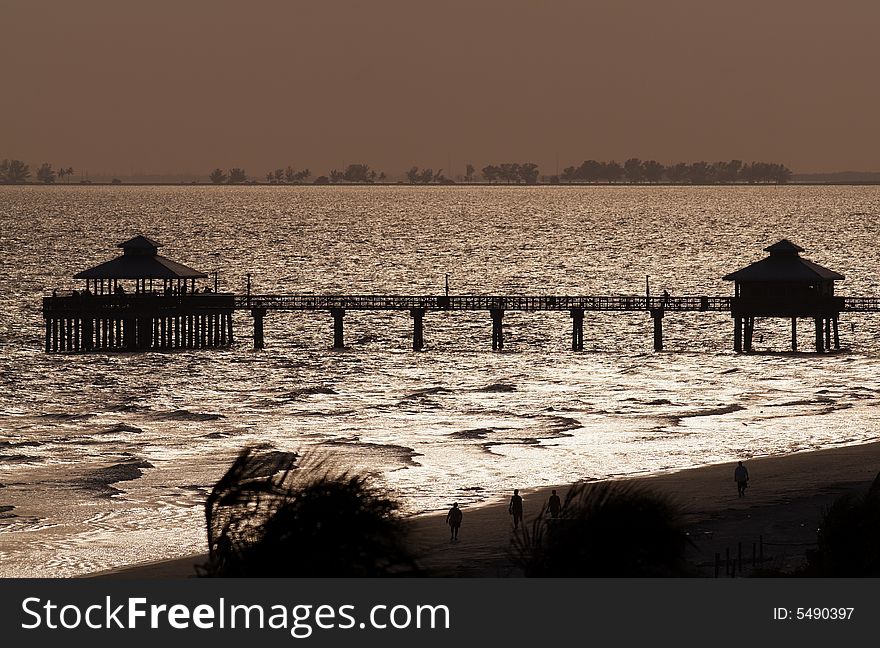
x=106 y=460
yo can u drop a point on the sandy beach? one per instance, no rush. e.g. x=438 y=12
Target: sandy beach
x=780 y=513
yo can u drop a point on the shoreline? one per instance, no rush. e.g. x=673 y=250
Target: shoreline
x=779 y=514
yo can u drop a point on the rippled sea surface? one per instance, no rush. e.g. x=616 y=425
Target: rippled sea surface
x=106 y=459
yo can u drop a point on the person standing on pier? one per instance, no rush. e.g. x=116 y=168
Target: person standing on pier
x=453 y=519
x=741 y=476
x=516 y=508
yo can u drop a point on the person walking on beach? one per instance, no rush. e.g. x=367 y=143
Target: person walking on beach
x=554 y=505
x=453 y=519
x=516 y=508
x=741 y=476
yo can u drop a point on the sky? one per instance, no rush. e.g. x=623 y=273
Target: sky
x=183 y=87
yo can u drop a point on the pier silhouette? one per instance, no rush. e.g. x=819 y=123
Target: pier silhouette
x=180 y=315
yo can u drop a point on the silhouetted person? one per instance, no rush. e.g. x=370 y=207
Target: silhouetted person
x=554 y=504
x=741 y=476
x=453 y=519
x=665 y=298
x=447 y=284
x=516 y=508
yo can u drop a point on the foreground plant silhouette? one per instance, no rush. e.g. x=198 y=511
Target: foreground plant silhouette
x=608 y=529
x=273 y=514
x=849 y=537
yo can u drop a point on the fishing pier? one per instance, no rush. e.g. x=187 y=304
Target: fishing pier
x=165 y=307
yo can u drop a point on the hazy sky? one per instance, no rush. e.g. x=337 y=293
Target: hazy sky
x=185 y=86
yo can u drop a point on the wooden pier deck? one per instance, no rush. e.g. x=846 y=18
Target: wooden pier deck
x=195 y=321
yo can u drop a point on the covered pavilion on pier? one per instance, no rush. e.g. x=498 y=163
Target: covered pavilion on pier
x=788 y=286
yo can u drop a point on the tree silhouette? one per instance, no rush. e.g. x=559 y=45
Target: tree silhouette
x=45 y=173
x=528 y=173
x=700 y=173
x=678 y=172
x=653 y=171
x=491 y=173
x=612 y=171
x=633 y=170
x=217 y=176
x=273 y=515
x=336 y=176
x=359 y=173
x=14 y=171
x=728 y=172
x=469 y=172
x=607 y=529
x=237 y=176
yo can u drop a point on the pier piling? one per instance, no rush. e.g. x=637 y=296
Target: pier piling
x=497 y=328
x=338 y=328
x=577 y=329
x=737 y=334
x=258 y=315
x=418 y=317
x=657 y=316
x=748 y=333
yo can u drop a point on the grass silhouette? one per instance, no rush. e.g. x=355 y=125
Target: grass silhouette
x=608 y=529
x=849 y=537
x=277 y=515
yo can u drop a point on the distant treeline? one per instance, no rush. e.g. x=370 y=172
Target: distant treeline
x=633 y=171
x=17 y=172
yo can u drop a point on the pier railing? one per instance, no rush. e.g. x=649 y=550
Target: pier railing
x=136 y=303
x=79 y=302
x=482 y=302
x=861 y=304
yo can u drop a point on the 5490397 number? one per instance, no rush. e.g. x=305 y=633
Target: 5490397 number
x=813 y=614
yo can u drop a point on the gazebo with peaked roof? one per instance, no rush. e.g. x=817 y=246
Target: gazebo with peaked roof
x=785 y=285
x=141 y=262
x=115 y=319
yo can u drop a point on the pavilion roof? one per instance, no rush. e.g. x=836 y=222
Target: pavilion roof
x=140 y=261
x=783 y=265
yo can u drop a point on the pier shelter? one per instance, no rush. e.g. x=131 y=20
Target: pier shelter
x=785 y=285
x=138 y=301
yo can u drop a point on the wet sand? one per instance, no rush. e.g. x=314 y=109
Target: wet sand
x=781 y=511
